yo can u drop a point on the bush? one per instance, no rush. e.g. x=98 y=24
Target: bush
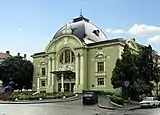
x=30 y=96
x=117 y=100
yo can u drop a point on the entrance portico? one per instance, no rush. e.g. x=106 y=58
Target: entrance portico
x=65 y=79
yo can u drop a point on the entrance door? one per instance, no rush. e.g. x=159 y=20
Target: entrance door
x=59 y=87
x=66 y=87
x=72 y=86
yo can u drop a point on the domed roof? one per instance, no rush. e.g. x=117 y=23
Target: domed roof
x=82 y=28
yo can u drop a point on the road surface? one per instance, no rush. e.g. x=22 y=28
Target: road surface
x=67 y=108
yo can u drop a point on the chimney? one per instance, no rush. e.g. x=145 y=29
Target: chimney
x=25 y=55
x=8 y=52
x=18 y=54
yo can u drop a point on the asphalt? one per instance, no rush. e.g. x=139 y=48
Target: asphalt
x=104 y=103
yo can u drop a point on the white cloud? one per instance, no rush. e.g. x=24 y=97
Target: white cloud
x=115 y=31
x=108 y=30
x=144 y=30
x=154 y=40
x=20 y=29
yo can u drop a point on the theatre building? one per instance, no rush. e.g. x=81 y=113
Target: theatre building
x=79 y=57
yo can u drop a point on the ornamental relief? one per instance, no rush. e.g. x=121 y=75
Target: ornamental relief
x=67 y=67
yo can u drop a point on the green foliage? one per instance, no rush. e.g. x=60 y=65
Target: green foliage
x=19 y=70
x=139 y=69
x=117 y=100
x=124 y=68
x=30 y=96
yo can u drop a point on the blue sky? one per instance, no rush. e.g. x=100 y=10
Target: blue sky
x=27 y=26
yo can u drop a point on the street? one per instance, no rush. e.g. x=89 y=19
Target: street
x=67 y=108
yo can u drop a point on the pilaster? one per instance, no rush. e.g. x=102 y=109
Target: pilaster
x=38 y=84
x=62 y=83
x=82 y=70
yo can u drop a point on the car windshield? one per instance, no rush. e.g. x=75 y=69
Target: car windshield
x=149 y=98
x=88 y=94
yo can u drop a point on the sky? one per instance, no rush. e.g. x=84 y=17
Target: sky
x=27 y=26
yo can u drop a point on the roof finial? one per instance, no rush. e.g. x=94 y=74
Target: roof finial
x=81 y=12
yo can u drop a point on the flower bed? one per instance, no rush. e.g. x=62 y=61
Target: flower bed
x=29 y=95
x=115 y=97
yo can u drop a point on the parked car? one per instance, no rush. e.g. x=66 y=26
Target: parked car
x=90 y=98
x=150 y=102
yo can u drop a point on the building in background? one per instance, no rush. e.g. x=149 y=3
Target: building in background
x=4 y=56
x=79 y=57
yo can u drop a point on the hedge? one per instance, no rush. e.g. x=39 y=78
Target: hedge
x=30 y=96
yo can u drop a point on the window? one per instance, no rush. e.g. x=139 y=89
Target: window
x=67 y=56
x=100 y=81
x=100 y=66
x=43 y=71
x=43 y=83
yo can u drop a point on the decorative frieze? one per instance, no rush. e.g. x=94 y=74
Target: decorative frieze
x=65 y=67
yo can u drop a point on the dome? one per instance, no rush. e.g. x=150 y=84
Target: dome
x=82 y=28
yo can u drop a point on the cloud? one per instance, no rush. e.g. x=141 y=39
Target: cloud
x=154 y=40
x=20 y=29
x=115 y=31
x=144 y=30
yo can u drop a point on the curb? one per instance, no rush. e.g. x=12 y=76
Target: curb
x=115 y=104
x=121 y=106
x=43 y=101
x=134 y=108
x=103 y=107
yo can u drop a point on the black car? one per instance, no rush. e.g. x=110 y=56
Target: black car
x=90 y=98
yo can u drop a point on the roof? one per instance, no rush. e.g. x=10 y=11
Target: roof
x=81 y=28
x=4 y=55
x=107 y=41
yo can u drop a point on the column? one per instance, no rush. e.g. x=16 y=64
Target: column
x=38 y=85
x=62 y=83
x=49 y=70
x=70 y=87
x=82 y=70
x=77 y=69
x=53 y=69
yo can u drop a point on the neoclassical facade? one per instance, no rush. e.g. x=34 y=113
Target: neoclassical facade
x=79 y=57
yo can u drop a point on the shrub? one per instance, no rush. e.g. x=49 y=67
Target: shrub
x=117 y=100
x=29 y=96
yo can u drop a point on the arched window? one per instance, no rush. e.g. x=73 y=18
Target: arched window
x=67 y=56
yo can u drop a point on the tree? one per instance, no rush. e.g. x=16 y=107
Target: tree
x=17 y=69
x=125 y=69
x=145 y=66
x=117 y=75
x=156 y=70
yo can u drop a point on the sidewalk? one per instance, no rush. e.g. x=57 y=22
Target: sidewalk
x=74 y=98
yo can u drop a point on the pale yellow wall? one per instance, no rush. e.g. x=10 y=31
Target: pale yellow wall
x=111 y=55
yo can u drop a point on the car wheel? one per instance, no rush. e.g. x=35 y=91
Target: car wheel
x=153 y=105
x=84 y=103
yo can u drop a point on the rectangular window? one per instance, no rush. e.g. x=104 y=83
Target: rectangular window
x=100 y=66
x=43 y=83
x=67 y=56
x=43 y=71
x=100 y=81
